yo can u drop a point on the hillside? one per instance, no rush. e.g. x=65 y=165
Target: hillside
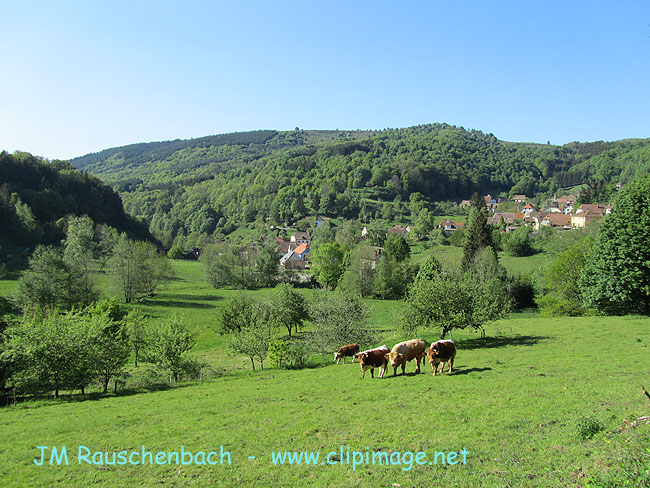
x=212 y=185
x=36 y=194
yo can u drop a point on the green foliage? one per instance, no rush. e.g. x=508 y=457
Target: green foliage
x=455 y=238
x=518 y=242
x=430 y=269
x=175 y=252
x=137 y=269
x=278 y=351
x=393 y=278
x=78 y=250
x=287 y=308
x=237 y=313
x=521 y=289
x=50 y=283
x=616 y=275
x=589 y=427
x=327 y=264
x=339 y=318
x=396 y=248
x=359 y=275
x=35 y=194
x=242 y=268
x=477 y=236
x=454 y=301
x=69 y=350
x=560 y=293
x=298 y=352
x=252 y=340
x=169 y=347
x=140 y=331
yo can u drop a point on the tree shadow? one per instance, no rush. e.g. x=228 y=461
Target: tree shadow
x=467 y=371
x=389 y=374
x=500 y=341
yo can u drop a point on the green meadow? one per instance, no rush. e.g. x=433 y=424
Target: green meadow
x=538 y=402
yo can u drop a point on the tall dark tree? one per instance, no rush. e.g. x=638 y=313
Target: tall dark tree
x=477 y=236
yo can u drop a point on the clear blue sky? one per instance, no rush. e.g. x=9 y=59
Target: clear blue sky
x=78 y=77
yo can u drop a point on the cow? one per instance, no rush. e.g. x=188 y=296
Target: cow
x=346 y=351
x=406 y=351
x=441 y=352
x=373 y=358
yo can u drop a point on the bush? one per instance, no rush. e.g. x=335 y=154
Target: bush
x=175 y=252
x=278 y=351
x=297 y=353
x=589 y=427
x=522 y=291
x=518 y=243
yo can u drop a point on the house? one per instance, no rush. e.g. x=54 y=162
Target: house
x=566 y=201
x=296 y=258
x=508 y=217
x=520 y=198
x=398 y=229
x=595 y=208
x=584 y=218
x=370 y=255
x=465 y=203
x=528 y=209
x=281 y=245
x=489 y=200
x=551 y=209
x=301 y=238
x=448 y=225
x=552 y=219
x=192 y=254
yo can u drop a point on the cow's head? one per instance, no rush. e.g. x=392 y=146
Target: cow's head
x=395 y=358
x=336 y=356
x=362 y=356
x=433 y=352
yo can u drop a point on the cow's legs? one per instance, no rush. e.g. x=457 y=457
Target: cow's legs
x=451 y=364
x=372 y=372
x=417 y=363
x=403 y=368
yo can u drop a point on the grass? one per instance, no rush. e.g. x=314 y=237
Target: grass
x=515 y=402
x=539 y=402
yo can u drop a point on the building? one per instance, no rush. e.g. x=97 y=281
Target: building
x=301 y=238
x=296 y=258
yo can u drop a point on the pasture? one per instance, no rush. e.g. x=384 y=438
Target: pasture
x=518 y=401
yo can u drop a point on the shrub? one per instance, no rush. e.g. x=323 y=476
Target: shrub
x=589 y=427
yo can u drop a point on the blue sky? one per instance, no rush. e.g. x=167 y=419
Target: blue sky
x=79 y=77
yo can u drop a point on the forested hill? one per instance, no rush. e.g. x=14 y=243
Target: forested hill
x=213 y=184
x=36 y=195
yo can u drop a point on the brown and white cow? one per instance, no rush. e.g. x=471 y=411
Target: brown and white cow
x=442 y=352
x=346 y=351
x=373 y=358
x=404 y=352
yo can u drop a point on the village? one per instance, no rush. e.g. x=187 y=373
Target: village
x=559 y=213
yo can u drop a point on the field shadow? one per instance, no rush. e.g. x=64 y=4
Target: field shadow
x=199 y=298
x=66 y=397
x=500 y=341
x=179 y=304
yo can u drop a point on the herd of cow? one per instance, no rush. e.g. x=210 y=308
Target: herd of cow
x=438 y=352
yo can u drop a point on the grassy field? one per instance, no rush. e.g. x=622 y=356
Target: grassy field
x=515 y=402
x=518 y=401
